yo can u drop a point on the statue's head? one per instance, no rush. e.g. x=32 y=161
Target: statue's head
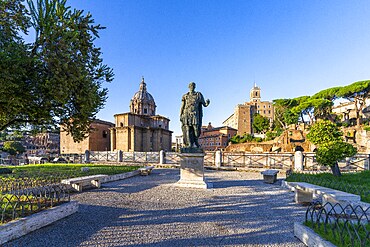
x=191 y=86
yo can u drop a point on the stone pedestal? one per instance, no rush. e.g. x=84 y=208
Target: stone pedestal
x=192 y=171
x=270 y=176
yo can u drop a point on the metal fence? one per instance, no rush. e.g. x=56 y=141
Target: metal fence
x=283 y=161
x=359 y=162
x=25 y=201
x=342 y=225
x=172 y=158
x=209 y=158
x=264 y=160
x=12 y=162
x=11 y=185
x=103 y=156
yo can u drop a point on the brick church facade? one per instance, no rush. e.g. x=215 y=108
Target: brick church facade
x=141 y=129
x=138 y=130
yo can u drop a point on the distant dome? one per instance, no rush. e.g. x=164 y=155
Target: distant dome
x=143 y=96
x=143 y=102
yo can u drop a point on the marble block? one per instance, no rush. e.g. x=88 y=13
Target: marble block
x=192 y=171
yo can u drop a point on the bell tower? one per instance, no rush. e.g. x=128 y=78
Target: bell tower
x=255 y=94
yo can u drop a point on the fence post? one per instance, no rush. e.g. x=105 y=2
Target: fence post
x=87 y=156
x=366 y=163
x=298 y=161
x=162 y=159
x=218 y=158
x=119 y=156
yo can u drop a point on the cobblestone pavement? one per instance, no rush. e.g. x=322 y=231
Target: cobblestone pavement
x=240 y=210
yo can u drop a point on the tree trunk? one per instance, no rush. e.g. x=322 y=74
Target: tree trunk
x=335 y=170
x=357 y=112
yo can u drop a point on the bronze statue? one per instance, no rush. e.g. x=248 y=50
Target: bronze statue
x=191 y=114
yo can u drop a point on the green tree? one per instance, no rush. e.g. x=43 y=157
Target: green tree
x=357 y=93
x=283 y=112
x=330 y=147
x=235 y=139
x=13 y=147
x=57 y=79
x=260 y=124
x=329 y=94
x=311 y=107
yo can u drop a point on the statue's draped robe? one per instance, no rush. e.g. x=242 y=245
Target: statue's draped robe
x=192 y=112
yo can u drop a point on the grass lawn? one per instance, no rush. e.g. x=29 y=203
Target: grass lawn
x=355 y=183
x=342 y=235
x=64 y=170
x=12 y=206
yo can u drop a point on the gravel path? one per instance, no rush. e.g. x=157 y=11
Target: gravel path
x=240 y=210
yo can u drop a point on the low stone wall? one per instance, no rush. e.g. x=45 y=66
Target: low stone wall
x=309 y=237
x=116 y=177
x=23 y=226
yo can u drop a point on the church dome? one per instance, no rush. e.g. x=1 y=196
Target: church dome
x=143 y=102
x=143 y=95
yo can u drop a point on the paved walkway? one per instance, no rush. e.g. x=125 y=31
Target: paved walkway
x=240 y=210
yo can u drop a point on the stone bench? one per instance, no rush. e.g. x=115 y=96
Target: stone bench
x=270 y=176
x=305 y=192
x=78 y=183
x=144 y=171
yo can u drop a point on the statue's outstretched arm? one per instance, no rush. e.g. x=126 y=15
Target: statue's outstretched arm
x=205 y=103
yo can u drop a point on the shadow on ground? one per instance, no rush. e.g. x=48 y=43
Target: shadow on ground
x=235 y=213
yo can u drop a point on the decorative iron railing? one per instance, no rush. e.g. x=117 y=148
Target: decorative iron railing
x=283 y=161
x=103 y=156
x=9 y=184
x=74 y=158
x=25 y=201
x=264 y=160
x=209 y=158
x=172 y=158
x=343 y=225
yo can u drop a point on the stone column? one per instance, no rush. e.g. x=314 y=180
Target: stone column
x=298 y=161
x=218 y=158
x=112 y=139
x=192 y=171
x=87 y=156
x=162 y=157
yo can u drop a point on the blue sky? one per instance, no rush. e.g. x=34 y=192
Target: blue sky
x=289 y=48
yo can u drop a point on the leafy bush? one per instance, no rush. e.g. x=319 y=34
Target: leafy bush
x=330 y=146
x=13 y=147
x=247 y=138
x=258 y=139
x=270 y=135
x=5 y=171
